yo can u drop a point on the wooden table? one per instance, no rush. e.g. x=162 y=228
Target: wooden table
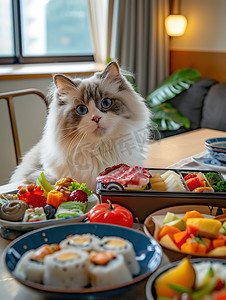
x=161 y=154
x=170 y=150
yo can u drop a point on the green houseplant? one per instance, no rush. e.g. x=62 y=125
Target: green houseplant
x=166 y=117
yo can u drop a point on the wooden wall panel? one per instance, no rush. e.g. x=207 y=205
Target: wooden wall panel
x=209 y=64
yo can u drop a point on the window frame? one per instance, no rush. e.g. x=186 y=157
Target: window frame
x=18 y=58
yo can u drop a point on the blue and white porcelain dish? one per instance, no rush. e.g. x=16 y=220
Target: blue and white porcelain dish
x=217 y=153
x=148 y=254
x=208 y=161
x=217 y=143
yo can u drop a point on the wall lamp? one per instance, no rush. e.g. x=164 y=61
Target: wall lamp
x=175 y=23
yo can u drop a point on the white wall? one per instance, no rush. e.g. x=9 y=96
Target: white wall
x=30 y=116
x=206 y=26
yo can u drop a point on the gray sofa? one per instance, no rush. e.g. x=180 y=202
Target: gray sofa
x=204 y=104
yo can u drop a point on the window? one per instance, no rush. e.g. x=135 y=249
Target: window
x=45 y=31
x=6 y=29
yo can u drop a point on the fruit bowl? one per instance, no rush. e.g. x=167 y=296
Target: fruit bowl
x=154 y=222
x=151 y=283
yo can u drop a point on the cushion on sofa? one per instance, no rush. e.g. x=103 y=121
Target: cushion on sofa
x=190 y=102
x=214 y=109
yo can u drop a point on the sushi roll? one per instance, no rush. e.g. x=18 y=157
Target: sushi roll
x=28 y=269
x=67 y=268
x=85 y=242
x=108 y=268
x=121 y=246
x=31 y=265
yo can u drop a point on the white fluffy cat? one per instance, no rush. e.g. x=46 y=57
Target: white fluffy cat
x=92 y=124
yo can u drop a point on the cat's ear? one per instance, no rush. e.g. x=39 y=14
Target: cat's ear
x=64 y=84
x=111 y=71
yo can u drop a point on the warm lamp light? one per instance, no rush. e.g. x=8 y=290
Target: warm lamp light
x=175 y=25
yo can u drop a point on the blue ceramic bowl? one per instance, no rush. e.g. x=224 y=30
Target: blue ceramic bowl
x=217 y=143
x=217 y=153
x=148 y=254
x=150 y=286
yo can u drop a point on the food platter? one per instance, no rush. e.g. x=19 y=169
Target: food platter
x=24 y=226
x=27 y=226
x=143 y=202
x=147 y=250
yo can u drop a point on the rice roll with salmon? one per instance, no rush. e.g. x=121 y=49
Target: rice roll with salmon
x=107 y=269
x=121 y=246
x=31 y=264
x=85 y=242
x=67 y=268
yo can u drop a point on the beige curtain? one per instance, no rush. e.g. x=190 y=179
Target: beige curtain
x=140 y=42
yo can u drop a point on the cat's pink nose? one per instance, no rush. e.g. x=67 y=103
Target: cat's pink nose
x=96 y=118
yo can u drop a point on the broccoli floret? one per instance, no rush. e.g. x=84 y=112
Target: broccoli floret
x=213 y=178
x=220 y=186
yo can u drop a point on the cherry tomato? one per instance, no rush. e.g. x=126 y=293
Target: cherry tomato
x=111 y=214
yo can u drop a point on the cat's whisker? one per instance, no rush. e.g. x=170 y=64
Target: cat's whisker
x=75 y=151
x=72 y=127
x=72 y=133
x=74 y=140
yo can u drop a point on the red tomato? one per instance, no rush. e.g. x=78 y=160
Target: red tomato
x=111 y=214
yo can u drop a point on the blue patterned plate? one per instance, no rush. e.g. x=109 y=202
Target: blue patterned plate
x=208 y=161
x=148 y=254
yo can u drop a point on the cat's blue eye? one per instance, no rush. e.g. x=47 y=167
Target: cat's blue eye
x=82 y=109
x=106 y=103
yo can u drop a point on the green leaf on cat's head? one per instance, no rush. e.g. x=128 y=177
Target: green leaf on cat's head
x=109 y=59
x=179 y=81
x=167 y=117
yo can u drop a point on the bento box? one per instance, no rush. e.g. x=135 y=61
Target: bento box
x=176 y=189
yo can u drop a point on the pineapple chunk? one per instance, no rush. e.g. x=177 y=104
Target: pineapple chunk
x=207 y=227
